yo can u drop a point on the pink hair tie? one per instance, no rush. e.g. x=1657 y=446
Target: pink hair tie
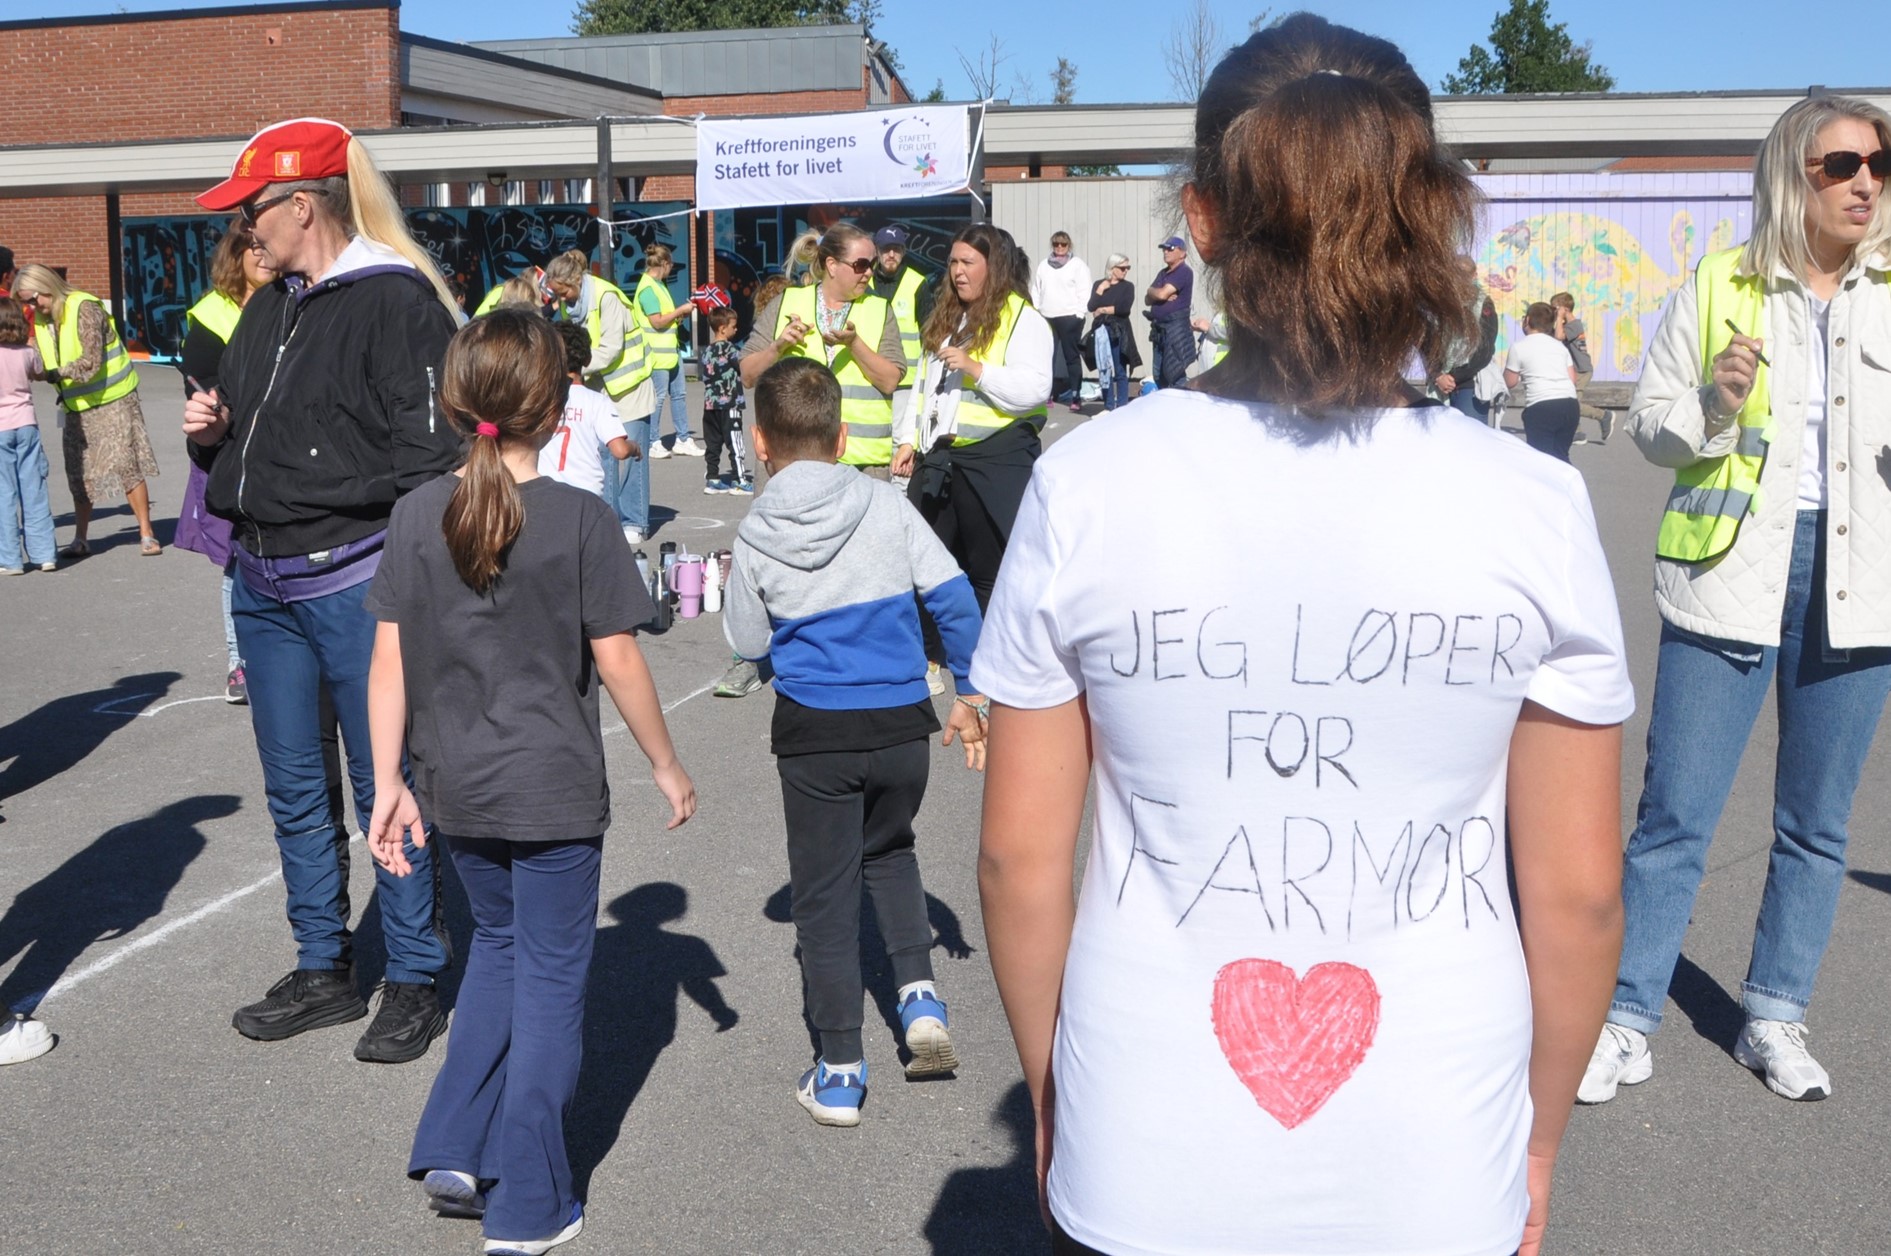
x=488 y=429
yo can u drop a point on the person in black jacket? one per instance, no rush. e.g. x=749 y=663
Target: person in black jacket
x=1114 y=342
x=324 y=414
x=1456 y=382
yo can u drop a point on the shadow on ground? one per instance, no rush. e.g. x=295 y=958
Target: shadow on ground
x=639 y=970
x=44 y=744
x=103 y=892
x=1715 y=1014
x=1879 y=881
x=993 y=1209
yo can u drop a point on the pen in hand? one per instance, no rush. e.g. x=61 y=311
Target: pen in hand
x=1756 y=353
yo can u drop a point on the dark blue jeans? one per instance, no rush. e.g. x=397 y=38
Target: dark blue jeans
x=1707 y=697
x=289 y=650
x=497 y=1110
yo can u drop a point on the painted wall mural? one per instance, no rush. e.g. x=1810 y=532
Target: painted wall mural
x=167 y=260
x=1619 y=244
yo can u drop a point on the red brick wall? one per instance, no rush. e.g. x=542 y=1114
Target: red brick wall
x=118 y=81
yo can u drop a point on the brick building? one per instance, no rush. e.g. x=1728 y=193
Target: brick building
x=350 y=61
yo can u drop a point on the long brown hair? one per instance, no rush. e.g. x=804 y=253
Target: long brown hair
x=226 y=265
x=1335 y=217
x=1006 y=272
x=506 y=369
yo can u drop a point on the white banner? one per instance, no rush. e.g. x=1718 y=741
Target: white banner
x=884 y=155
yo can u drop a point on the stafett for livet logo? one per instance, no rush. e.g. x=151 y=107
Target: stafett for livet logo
x=876 y=155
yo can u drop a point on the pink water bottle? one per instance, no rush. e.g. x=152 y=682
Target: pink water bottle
x=688 y=575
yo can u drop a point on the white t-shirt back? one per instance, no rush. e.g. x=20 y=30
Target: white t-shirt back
x=1544 y=364
x=1295 y=1015
x=572 y=456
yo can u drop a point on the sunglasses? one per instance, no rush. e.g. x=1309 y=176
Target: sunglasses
x=860 y=265
x=247 y=214
x=1842 y=166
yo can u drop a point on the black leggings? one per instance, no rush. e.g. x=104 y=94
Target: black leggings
x=1551 y=425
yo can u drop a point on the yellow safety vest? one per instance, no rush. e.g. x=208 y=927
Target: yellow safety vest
x=1712 y=497
x=662 y=344
x=866 y=411
x=905 y=302
x=114 y=378
x=216 y=313
x=491 y=300
x=978 y=417
x=632 y=366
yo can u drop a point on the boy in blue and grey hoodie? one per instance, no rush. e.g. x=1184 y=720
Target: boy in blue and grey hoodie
x=825 y=568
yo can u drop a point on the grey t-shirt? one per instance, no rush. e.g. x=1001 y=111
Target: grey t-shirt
x=762 y=334
x=502 y=691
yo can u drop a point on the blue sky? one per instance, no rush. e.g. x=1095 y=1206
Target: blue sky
x=1116 y=44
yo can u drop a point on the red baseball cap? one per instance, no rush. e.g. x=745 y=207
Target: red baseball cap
x=301 y=148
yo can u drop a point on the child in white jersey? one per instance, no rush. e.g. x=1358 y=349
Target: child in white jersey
x=589 y=427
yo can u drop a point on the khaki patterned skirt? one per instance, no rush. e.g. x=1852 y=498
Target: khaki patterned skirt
x=107 y=451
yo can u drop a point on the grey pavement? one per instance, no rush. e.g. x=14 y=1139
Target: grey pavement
x=138 y=882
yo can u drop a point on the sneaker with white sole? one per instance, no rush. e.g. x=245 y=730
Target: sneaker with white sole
x=452 y=1193
x=923 y=1024
x=657 y=448
x=538 y=1247
x=742 y=679
x=1621 y=1058
x=1776 y=1050
x=833 y=1098
x=688 y=448
x=22 y=1038
x=633 y=535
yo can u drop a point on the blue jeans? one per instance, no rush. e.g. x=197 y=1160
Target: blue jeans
x=627 y=483
x=1464 y=400
x=497 y=1110
x=24 y=506
x=1706 y=700
x=670 y=384
x=289 y=650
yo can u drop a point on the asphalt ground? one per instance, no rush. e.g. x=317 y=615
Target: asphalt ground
x=138 y=882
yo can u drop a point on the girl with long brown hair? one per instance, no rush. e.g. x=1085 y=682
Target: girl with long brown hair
x=506 y=593
x=1332 y=719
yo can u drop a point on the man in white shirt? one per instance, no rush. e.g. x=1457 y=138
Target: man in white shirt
x=1060 y=289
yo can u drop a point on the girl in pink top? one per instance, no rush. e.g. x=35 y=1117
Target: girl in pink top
x=23 y=503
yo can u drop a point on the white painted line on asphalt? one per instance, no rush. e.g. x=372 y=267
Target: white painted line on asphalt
x=106 y=963
x=109 y=707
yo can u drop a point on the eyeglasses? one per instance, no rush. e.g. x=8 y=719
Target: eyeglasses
x=247 y=214
x=1842 y=166
x=859 y=265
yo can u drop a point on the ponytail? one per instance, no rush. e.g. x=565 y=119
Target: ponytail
x=504 y=383
x=375 y=213
x=805 y=252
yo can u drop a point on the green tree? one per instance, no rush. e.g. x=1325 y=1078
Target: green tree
x=1528 y=53
x=937 y=93
x=647 y=17
x=1064 y=92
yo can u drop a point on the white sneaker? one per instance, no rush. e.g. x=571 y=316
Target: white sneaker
x=657 y=448
x=23 y=1039
x=633 y=535
x=1621 y=1058
x=538 y=1247
x=688 y=448
x=1777 y=1051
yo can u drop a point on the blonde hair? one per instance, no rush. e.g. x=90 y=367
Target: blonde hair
x=1782 y=184
x=364 y=204
x=571 y=266
x=814 y=249
x=520 y=290
x=657 y=254
x=43 y=279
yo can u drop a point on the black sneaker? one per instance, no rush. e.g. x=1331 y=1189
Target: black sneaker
x=308 y=998
x=409 y=1019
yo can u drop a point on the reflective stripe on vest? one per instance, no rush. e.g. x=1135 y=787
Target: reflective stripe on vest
x=114 y=379
x=1712 y=497
x=905 y=301
x=631 y=366
x=661 y=345
x=216 y=313
x=978 y=418
x=865 y=410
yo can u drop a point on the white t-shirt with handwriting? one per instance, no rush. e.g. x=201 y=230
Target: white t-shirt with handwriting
x=1295 y=1015
x=572 y=456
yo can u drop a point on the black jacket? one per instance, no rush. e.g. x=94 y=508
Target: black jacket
x=334 y=408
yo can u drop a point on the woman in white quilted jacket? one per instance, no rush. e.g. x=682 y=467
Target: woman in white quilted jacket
x=1774 y=573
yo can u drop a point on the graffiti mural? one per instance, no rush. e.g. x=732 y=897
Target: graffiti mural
x=166 y=261
x=1619 y=244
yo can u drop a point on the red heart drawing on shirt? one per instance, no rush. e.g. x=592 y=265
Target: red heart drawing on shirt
x=1293 y=1041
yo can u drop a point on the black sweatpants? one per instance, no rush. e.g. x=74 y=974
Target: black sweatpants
x=1066 y=354
x=723 y=427
x=1551 y=425
x=850 y=821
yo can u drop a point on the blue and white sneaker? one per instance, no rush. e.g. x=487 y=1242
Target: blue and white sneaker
x=453 y=1194
x=742 y=488
x=833 y=1098
x=923 y=1022
x=715 y=486
x=538 y=1247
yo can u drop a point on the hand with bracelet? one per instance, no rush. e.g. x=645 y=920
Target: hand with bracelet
x=968 y=719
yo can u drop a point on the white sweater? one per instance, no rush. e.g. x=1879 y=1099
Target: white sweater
x=1061 y=291
x=1740 y=595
